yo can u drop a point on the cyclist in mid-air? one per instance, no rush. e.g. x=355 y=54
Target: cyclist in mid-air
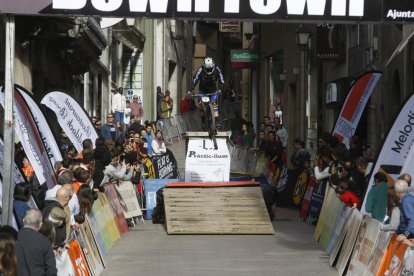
x=207 y=76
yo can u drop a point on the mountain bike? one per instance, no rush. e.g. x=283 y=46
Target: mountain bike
x=209 y=120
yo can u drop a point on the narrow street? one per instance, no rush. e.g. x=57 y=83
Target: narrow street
x=147 y=250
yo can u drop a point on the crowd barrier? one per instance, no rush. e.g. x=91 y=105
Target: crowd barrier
x=102 y=228
x=243 y=160
x=349 y=237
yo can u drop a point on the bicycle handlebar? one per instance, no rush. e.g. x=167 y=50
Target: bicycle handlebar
x=209 y=94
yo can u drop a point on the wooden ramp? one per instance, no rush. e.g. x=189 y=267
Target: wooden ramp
x=216 y=210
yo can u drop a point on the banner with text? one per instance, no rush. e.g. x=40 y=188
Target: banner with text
x=44 y=129
x=72 y=118
x=165 y=165
x=151 y=188
x=31 y=140
x=396 y=148
x=204 y=163
x=128 y=199
x=354 y=105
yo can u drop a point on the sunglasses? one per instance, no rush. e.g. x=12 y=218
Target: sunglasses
x=109 y=117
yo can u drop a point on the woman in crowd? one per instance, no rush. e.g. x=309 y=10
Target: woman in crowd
x=158 y=145
x=7 y=255
x=246 y=139
x=393 y=212
x=20 y=206
x=166 y=108
x=27 y=169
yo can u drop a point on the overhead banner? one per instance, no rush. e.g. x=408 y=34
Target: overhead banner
x=397 y=146
x=31 y=140
x=354 y=105
x=52 y=147
x=72 y=118
x=281 y=10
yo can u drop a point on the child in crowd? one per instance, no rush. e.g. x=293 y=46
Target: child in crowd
x=346 y=196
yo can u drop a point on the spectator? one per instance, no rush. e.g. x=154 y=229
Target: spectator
x=127 y=120
x=64 y=141
x=87 y=146
x=368 y=154
x=268 y=126
x=376 y=202
x=48 y=230
x=64 y=178
x=7 y=229
x=109 y=131
x=135 y=126
x=27 y=169
x=355 y=148
x=300 y=156
x=393 y=212
x=166 y=108
x=187 y=103
x=20 y=206
x=34 y=251
x=7 y=255
x=407 y=177
x=119 y=105
x=321 y=164
x=82 y=177
x=273 y=150
x=365 y=168
x=147 y=164
x=272 y=111
x=170 y=101
x=406 y=226
x=160 y=97
x=98 y=127
x=136 y=109
x=158 y=145
x=347 y=196
x=116 y=170
x=236 y=126
x=279 y=114
x=281 y=132
x=245 y=139
x=261 y=141
x=63 y=196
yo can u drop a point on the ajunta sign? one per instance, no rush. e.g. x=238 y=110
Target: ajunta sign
x=256 y=10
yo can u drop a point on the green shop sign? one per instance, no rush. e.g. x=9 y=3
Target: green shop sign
x=244 y=56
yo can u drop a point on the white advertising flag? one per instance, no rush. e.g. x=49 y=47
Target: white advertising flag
x=72 y=118
x=44 y=129
x=397 y=147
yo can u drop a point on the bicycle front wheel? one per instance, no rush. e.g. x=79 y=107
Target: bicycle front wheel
x=209 y=117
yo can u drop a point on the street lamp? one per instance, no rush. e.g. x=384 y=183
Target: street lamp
x=302 y=38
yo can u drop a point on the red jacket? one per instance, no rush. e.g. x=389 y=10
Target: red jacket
x=349 y=199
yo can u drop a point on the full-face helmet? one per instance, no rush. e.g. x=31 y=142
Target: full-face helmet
x=209 y=65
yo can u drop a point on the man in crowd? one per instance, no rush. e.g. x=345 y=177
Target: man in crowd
x=63 y=196
x=300 y=156
x=376 y=202
x=109 y=131
x=119 y=105
x=268 y=126
x=34 y=251
x=281 y=132
x=136 y=108
x=160 y=98
x=406 y=226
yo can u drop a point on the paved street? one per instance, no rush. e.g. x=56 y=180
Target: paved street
x=148 y=250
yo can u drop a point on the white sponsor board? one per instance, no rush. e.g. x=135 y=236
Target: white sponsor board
x=128 y=199
x=205 y=164
x=49 y=141
x=395 y=152
x=71 y=117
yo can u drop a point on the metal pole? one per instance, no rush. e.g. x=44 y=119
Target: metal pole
x=302 y=96
x=8 y=128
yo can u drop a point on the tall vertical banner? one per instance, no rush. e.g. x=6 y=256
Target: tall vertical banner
x=396 y=149
x=31 y=140
x=354 y=105
x=72 y=118
x=44 y=129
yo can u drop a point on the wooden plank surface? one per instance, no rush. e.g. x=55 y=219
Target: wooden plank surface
x=224 y=210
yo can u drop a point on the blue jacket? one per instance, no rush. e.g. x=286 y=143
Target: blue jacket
x=406 y=226
x=106 y=132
